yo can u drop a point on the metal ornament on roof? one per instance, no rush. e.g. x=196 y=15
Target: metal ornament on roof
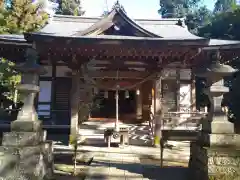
x=118 y=6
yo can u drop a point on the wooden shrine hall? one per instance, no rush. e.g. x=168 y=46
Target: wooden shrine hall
x=145 y=61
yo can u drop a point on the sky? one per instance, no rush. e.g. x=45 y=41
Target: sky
x=145 y=9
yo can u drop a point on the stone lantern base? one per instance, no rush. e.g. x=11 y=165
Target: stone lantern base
x=219 y=161
x=221 y=125
x=26 y=126
x=25 y=153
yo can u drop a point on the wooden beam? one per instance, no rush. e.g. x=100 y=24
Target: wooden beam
x=121 y=74
x=111 y=84
x=109 y=50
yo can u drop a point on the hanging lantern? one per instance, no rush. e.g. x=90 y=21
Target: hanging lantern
x=138 y=92
x=95 y=90
x=1 y=105
x=106 y=94
x=126 y=94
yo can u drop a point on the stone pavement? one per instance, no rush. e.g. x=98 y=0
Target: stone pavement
x=136 y=163
x=114 y=166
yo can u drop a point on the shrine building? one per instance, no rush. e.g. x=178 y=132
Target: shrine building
x=146 y=61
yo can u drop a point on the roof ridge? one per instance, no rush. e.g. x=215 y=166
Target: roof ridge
x=133 y=22
x=72 y=18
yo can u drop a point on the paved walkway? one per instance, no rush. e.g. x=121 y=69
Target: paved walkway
x=134 y=162
x=131 y=162
x=115 y=166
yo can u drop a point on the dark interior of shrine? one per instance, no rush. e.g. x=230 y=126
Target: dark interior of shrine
x=105 y=104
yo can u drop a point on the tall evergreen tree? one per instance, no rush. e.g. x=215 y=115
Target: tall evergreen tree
x=223 y=5
x=176 y=8
x=22 y=16
x=198 y=18
x=18 y=17
x=70 y=7
x=229 y=22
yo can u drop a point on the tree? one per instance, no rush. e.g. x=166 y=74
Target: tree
x=9 y=78
x=198 y=18
x=195 y=15
x=70 y=7
x=223 y=5
x=177 y=8
x=229 y=22
x=22 y=16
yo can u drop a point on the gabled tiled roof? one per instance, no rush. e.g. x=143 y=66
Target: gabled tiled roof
x=88 y=28
x=80 y=26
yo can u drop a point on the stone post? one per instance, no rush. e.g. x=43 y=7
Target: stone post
x=217 y=153
x=26 y=153
x=158 y=114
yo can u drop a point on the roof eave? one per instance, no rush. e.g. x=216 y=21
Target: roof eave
x=222 y=44
x=10 y=40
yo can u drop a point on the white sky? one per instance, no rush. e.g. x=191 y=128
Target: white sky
x=134 y=8
x=146 y=9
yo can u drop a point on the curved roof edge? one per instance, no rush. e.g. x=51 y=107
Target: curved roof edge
x=222 y=44
x=13 y=39
x=117 y=40
x=107 y=22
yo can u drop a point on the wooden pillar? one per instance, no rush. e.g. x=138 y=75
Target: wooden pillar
x=154 y=98
x=146 y=100
x=75 y=103
x=53 y=92
x=138 y=103
x=158 y=112
x=178 y=84
x=193 y=92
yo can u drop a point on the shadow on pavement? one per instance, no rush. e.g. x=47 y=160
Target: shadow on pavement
x=152 y=172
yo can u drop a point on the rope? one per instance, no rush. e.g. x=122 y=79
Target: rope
x=87 y=67
x=151 y=76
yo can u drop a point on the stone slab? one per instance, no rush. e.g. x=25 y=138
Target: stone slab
x=26 y=125
x=33 y=161
x=224 y=140
x=22 y=138
x=221 y=125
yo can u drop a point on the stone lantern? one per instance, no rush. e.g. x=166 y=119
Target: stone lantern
x=216 y=153
x=27 y=119
x=25 y=148
x=214 y=75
